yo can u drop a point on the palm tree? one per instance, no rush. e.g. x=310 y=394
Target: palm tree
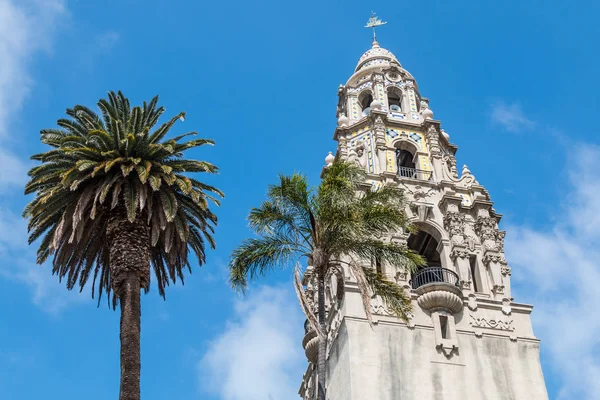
x=112 y=200
x=339 y=222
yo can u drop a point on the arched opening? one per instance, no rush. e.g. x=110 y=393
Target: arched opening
x=406 y=164
x=395 y=99
x=365 y=99
x=425 y=245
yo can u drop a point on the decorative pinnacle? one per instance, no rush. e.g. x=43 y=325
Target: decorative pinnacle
x=374 y=22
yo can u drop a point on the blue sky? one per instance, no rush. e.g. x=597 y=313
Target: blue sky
x=514 y=83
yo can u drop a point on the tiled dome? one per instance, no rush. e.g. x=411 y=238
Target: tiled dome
x=374 y=56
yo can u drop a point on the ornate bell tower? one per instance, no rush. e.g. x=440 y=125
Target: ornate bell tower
x=467 y=338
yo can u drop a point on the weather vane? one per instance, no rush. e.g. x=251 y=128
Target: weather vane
x=373 y=23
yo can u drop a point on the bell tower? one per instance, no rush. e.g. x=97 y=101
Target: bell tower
x=467 y=337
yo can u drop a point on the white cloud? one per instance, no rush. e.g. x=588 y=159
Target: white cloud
x=26 y=27
x=13 y=174
x=511 y=117
x=19 y=265
x=560 y=272
x=259 y=354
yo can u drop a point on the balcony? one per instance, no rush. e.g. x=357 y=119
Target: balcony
x=412 y=173
x=434 y=275
x=438 y=290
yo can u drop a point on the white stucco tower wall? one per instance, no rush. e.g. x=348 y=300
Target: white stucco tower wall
x=468 y=338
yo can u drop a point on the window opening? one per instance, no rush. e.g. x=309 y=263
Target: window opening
x=365 y=101
x=395 y=99
x=406 y=165
x=444 y=326
x=473 y=265
x=378 y=265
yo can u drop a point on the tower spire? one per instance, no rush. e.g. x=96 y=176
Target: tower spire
x=374 y=22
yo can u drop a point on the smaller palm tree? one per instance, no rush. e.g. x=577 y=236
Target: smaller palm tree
x=339 y=222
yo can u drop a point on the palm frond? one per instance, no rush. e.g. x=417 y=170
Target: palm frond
x=112 y=155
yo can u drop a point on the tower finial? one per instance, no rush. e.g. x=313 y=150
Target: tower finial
x=374 y=22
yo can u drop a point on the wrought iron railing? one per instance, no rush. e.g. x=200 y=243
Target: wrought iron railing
x=434 y=275
x=406 y=172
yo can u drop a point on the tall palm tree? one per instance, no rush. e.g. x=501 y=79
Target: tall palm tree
x=339 y=222
x=112 y=200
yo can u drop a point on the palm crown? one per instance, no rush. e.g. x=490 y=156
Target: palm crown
x=340 y=221
x=118 y=164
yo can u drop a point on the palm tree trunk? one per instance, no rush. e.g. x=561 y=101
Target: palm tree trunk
x=130 y=272
x=323 y=339
x=130 y=339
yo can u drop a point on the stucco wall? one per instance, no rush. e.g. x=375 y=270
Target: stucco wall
x=393 y=362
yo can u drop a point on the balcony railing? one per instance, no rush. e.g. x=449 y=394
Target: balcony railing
x=434 y=275
x=406 y=172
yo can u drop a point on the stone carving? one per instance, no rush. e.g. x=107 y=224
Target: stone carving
x=343 y=146
x=432 y=136
x=459 y=252
x=491 y=237
x=498 y=289
x=378 y=307
x=500 y=241
x=378 y=125
x=482 y=322
x=493 y=258
x=310 y=342
x=486 y=228
x=422 y=211
x=440 y=300
x=418 y=192
x=505 y=270
x=506 y=308
x=401 y=276
x=410 y=323
x=472 y=303
x=334 y=327
x=454 y=223
x=357 y=154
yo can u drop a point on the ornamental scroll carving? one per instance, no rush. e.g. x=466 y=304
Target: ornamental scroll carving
x=491 y=323
x=451 y=164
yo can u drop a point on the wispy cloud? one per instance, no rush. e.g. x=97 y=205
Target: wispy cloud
x=47 y=293
x=26 y=28
x=560 y=270
x=259 y=354
x=510 y=117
